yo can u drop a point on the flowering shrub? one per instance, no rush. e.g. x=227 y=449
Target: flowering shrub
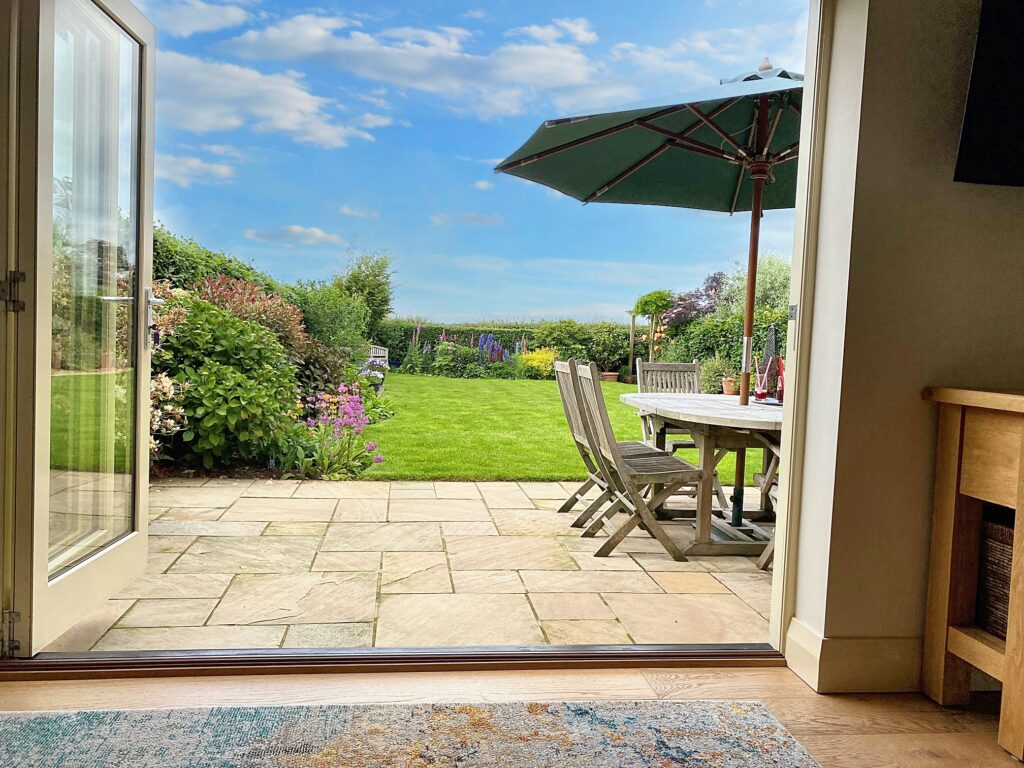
x=330 y=446
x=249 y=302
x=241 y=394
x=538 y=364
x=167 y=412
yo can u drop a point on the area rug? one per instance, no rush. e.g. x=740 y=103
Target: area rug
x=697 y=734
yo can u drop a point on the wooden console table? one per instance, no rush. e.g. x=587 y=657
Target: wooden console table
x=980 y=444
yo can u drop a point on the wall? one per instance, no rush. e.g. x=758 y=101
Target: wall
x=919 y=281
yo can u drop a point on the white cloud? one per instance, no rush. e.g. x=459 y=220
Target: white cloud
x=579 y=30
x=185 y=170
x=225 y=150
x=470 y=219
x=369 y=120
x=295 y=234
x=184 y=18
x=475 y=14
x=483 y=185
x=547 y=65
x=357 y=213
x=203 y=96
x=739 y=48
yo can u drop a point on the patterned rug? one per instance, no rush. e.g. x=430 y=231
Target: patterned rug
x=697 y=734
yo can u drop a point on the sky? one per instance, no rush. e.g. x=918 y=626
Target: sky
x=295 y=135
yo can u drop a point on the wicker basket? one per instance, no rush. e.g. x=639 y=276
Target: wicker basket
x=994 y=577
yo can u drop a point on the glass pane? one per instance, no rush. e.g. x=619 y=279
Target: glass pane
x=92 y=403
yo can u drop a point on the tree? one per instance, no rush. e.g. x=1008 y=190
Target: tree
x=772 y=290
x=369 y=280
x=697 y=303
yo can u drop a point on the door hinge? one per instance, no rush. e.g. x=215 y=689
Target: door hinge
x=10 y=291
x=8 y=645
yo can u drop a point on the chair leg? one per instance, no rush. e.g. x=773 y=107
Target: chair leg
x=723 y=500
x=577 y=496
x=768 y=556
x=592 y=509
x=603 y=517
x=616 y=538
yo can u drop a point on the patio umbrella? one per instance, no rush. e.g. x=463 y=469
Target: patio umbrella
x=726 y=148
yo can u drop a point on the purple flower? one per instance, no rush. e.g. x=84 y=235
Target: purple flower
x=378 y=459
x=370 y=447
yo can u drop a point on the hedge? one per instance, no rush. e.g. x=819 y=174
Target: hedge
x=395 y=334
x=707 y=336
x=607 y=343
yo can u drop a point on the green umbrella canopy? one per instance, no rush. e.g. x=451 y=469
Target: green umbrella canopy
x=694 y=154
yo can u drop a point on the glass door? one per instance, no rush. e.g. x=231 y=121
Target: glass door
x=85 y=331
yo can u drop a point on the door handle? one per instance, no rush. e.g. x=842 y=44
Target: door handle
x=117 y=299
x=151 y=302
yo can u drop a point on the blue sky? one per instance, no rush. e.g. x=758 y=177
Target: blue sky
x=292 y=135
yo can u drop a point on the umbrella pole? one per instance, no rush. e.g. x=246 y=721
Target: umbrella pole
x=760 y=168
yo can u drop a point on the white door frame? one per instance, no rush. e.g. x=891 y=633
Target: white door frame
x=45 y=607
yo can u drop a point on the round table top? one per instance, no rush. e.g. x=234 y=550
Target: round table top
x=717 y=410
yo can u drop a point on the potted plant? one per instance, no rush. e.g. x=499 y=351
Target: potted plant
x=608 y=347
x=730 y=384
x=652 y=306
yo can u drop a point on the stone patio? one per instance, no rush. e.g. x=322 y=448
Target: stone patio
x=287 y=564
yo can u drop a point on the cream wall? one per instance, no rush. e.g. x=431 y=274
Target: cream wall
x=918 y=281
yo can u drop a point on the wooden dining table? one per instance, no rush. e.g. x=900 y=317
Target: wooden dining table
x=718 y=424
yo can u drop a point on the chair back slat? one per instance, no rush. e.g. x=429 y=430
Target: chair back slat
x=570 y=404
x=589 y=378
x=676 y=378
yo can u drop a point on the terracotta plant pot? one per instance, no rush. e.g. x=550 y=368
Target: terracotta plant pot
x=609 y=376
x=631 y=379
x=730 y=387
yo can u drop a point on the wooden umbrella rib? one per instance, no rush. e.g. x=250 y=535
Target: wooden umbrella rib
x=587 y=139
x=710 y=123
x=774 y=127
x=681 y=140
x=743 y=169
x=612 y=131
x=627 y=173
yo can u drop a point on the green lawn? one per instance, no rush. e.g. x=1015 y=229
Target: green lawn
x=493 y=429
x=81 y=437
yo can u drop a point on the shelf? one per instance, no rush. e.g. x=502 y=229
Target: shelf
x=978 y=648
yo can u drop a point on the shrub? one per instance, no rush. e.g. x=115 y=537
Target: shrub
x=453 y=359
x=240 y=398
x=712 y=371
x=716 y=335
x=537 y=364
x=332 y=316
x=321 y=369
x=567 y=338
x=609 y=345
x=249 y=302
x=771 y=288
x=183 y=263
x=368 y=278
x=475 y=371
x=501 y=371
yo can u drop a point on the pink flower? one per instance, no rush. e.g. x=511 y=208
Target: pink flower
x=370 y=447
x=378 y=459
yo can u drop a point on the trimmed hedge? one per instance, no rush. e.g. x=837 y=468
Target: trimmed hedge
x=395 y=334
x=607 y=343
x=183 y=263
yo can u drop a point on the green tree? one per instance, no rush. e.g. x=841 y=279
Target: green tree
x=369 y=279
x=332 y=316
x=772 y=289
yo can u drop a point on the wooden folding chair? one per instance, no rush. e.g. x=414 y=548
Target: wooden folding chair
x=628 y=479
x=674 y=378
x=574 y=416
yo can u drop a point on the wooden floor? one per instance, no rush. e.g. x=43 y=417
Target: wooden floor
x=902 y=731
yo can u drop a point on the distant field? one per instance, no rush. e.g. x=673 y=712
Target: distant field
x=493 y=429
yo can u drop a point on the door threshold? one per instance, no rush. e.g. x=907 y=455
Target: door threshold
x=99 y=664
